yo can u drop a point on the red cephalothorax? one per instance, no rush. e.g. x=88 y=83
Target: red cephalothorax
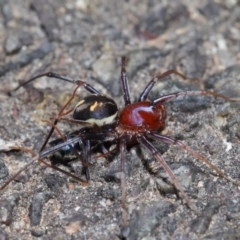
x=142 y=115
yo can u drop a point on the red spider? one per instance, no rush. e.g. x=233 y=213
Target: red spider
x=136 y=123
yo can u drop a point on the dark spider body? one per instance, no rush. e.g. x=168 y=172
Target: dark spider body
x=137 y=123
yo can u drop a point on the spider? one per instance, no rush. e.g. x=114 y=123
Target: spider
x=138 y=123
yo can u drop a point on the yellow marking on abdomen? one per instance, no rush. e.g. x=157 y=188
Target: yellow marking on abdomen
x=92 y=108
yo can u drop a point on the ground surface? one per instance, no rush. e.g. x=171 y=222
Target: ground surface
x=86 y=40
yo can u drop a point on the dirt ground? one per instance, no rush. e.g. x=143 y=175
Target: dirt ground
x=85 y=40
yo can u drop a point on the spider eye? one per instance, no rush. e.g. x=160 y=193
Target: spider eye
x=96 y=109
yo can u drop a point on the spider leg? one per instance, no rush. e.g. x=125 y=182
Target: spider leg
x=173 y=141
x=88 y=87
x=148 y=88
x=124 y=82
x=172 y=96
x=142 y=140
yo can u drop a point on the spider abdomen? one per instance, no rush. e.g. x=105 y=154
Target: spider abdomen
x=96 y=109
x=143 y=116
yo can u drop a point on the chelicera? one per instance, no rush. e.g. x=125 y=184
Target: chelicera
x=137 y=123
